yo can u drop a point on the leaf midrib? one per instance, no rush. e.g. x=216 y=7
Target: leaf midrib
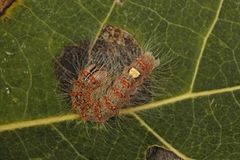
x=127 y=111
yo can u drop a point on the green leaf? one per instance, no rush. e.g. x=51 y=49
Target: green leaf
x=197 y=118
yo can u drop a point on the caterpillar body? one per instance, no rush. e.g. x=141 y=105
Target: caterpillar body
x=116 y=96
x=113 y=75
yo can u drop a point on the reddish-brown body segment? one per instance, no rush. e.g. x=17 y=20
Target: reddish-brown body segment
x=101 y=108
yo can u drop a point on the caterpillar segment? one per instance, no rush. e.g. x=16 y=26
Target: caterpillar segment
x=84 y=87
x=124 y=87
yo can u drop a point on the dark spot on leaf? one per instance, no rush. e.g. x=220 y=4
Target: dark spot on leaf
x=67 y=66
x=4 y=5
x=158 y=153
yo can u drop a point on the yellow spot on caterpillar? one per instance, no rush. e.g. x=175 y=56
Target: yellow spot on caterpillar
x=119 y=2
x=134 y=73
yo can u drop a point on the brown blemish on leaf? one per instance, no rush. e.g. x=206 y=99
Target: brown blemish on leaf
x=158 y=153
x=6 y=7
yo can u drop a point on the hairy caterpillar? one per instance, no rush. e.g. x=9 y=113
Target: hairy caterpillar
x=124 y=86
x=113 y=75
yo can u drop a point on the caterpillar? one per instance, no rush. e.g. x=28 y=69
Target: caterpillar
x=116 y=96
x=113 y=75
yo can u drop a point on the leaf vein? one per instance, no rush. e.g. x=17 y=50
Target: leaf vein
x=68 y=142
x=161 y=139
x=87 y=11
x=101 y=26
x=29 y=73
x=23 y=144
x=204 y=43
x=164 y=19
x=47 y=25
x=71 y=117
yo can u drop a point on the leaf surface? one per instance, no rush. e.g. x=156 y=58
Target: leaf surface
x=196 y=118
